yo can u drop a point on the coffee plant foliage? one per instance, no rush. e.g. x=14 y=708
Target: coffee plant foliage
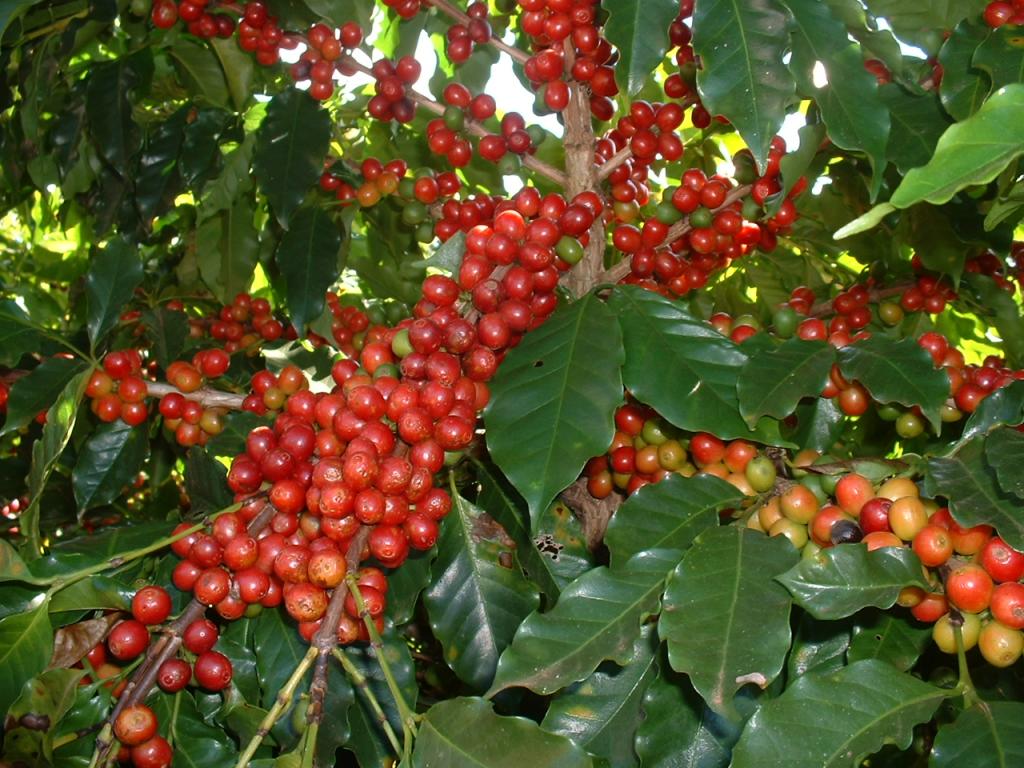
x=350 y=417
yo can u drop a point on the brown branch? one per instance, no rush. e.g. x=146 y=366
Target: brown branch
x=326 y=638
x=208 y=398
x=450 y=10
x=144 y=677
x=471 y=127
x=613 y=162
x=824 y=308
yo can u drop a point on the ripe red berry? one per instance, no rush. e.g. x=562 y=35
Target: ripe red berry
x=151 y=605
x=213 y=671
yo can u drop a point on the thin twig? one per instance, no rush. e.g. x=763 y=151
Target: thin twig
x=447 y=8
x=208 y=398
x=360 y=682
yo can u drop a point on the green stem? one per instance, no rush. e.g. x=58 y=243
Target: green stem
x=966 y=685
x=58 y=583
x=309 y=745
x=281 y=704
x=406 y=714
x=359 y=681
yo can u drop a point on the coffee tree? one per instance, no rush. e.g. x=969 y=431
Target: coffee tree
x=351 y=417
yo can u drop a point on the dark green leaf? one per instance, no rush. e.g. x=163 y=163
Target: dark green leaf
x=725 y=620
x=234 y=182
x=741 y=46
x=921 y=23
x=407 y=583
x=26 y=641
x=678 y=729
x=917 y=123
x=227 y=247
x=477 y=598
x=818 y=646
x=448 y=255
x=897 y=371
x=60 y=421
x=308 y=258
x=231 y=441
x=502 y=503
x=843 y=715
x=201 y=70
x=95 y=593
x=109 y=460
x=1002 y=311
x=18 y=334
x=86 y=551
x=819 y=424
x=168 y=329
x=597 y=618
x=773 y=381
x=205 y=482
x=239 y=68
x=109 y=113
x=680 y=365
x=36 y=392
x=988 y=735
x=964 y=86
x=290 y=149
x=971 y=485
x=157 y=162
x=553 y=400
x=1004 y=406
x=466 y=733
x=840 y=581
x=197 y=744
x=850 y=106
x=12 y=567
x=640 y=32
x=1001 y=56
x=1004 y=450
x=279 y=649
x=667 y=515
x=974 y=151
x=115 y=273
x=885 y=636
x=601 y=713
x=47 y=698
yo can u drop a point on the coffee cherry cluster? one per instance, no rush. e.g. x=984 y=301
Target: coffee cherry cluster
x=460 y=39
x=324 y=55
x=551 y=24
x=201 y=22
x=118 y=391
x=391 y=101
x=404 y=8
x=682 y=85
x=242 y=325
x=1003 y=12
x=647 y=449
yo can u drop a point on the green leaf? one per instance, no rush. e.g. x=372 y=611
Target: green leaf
x=290 y=147
x=234 y=182
x=850 y=105
x=680 y=365
x=553 y=400
x=897 y=371
x=85 y=551
x=109 y=460
x=308 y=258
x=667 y=515
x=1003 y=312
x=894 y=639
x=238 y=424
x=12 y=567
x=279 y=649
x=1004 y=406
x=227 y=247
x=844 y=716
x=917 y=123
x=640 y=31
x=448 y=255
x=197 y=744
x=168 y=330
x=867 y=221
x=60 y=421
x=406 y=584
x=988 y=735
x=36 y=392
x=921 y=23
x=466 y=733
x=501 y=502
x=793 y=165
x=476 y=598
x=109 y=113
x=1001 y=56
x=818 y=646
x=678 y=729
x=115 y=273
x=46 y=699
x=18 y=334
x=602 y=713
x=839 y=581
x=741 y=47
x=205 y=482
x=973 y=151
x=1004 y=450
x=975 y=497
x=239 y=68
x=201 y=71
x=26 y=642
x=964 y=87
x=725 y=620
x=774 y=381
x=597 y=618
